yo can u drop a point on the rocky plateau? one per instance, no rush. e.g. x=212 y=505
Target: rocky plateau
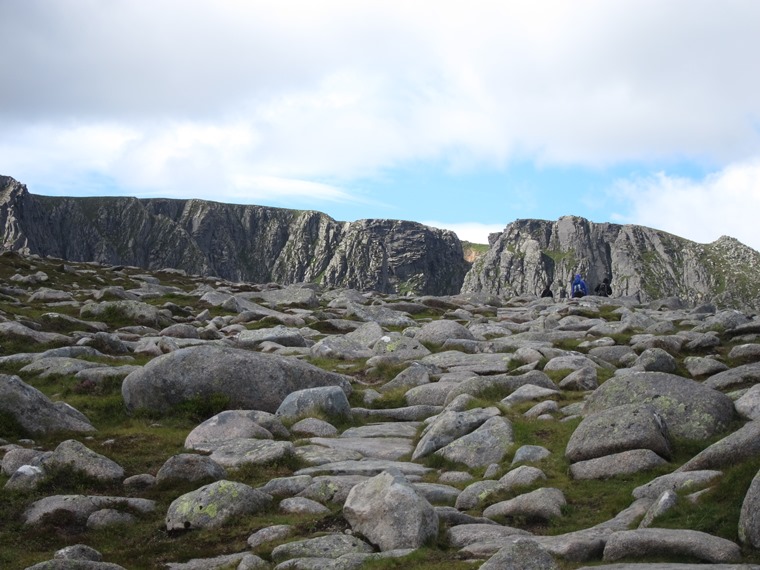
x=164 y=419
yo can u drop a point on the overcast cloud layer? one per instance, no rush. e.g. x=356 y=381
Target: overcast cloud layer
x=306 y=102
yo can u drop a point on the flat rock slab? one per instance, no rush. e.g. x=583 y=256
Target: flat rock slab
x=237 y=452
x=57 y=366
x=670 y=542
x=480 y=363
x=369 y=467
x=405 y=414
x=623 y=463
x=320 y=455
x=391 y=448
x=328 y=546
x=670 y=566
x=395 y=429
x=465 y=534
x=682 y=482
x=81 y=506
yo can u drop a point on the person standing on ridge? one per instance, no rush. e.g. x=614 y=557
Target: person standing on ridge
x=578 y=288
x=604 y=289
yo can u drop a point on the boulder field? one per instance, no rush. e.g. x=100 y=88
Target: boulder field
x=216 y=424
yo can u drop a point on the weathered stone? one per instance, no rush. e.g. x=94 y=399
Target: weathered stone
x=523 y=554
x=656 y=360
x=474 y=495
x=748 y=405
x=391 y=448
x=735 y=447
x=662 y=505
x=583 y=379
x=438 y=332
x=501 y=382
x=449 y=426
x=281 y=335
x=544 y=504
x=621 y=428
x=109 y=517
x=234 y=424
x=269 y=534
x=682 y=482
x=213 y=505
x=372 y=510
x=57 y=366
x=249 y=380
x=77 y=456
x=463 y=535
x=314 y=426
x=431 y=394
x=521 y=476
x=190 y=467
x=623 y=463
x=80 y=507
x=735 y=377
x=339 y=347
x=487 y=444
x=14 y=330
x=527 y=393
x=702 y=366
x=328 y=400
x=135 y=311
x=235 y=453
x=78 y=552
x=670 y=542
x=414 y=375
x=331 y=488
x=302 y=506
x=691 y=410
x=530 y=454
x=328 y=546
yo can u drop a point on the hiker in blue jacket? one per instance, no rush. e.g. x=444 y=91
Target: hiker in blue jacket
x=578 y=288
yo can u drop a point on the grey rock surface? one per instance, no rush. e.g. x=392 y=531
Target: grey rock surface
x=620 y=428
x=691 y=410
x=34 y=411
x=670 y=542
x=211 y=506
x=371 y=509
x=249 y=380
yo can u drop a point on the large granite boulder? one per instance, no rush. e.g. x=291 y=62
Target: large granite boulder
x=250 y=380
x=617 y=429
x=35 y=412
x=373 y=509
x=328 y=400
x=690 y=410
x=213 y=505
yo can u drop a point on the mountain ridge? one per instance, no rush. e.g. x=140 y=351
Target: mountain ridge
x=261 y=244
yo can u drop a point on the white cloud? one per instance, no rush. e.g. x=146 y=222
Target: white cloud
x=723 y=203
x=204 y=93
x=469 y=231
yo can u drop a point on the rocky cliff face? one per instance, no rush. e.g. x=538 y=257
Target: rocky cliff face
x=260 y=245
x=641 y=261
x=236 y=242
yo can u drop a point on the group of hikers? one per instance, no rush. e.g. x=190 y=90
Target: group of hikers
x=578 y=288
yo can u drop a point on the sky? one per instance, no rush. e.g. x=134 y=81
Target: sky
x=460 y=115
